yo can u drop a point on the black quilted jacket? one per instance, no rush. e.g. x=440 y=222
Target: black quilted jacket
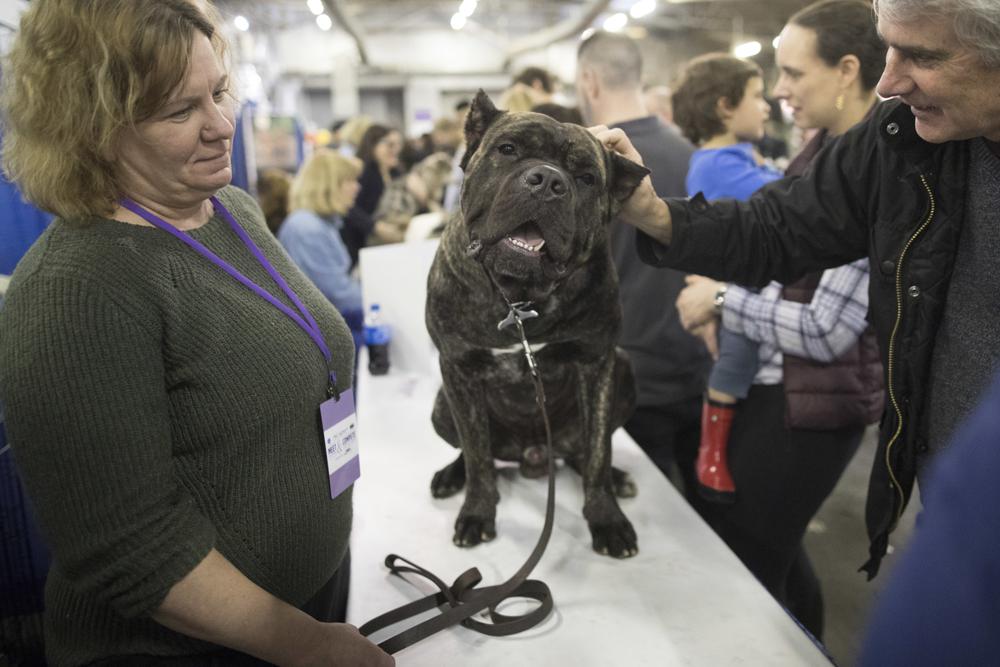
x=879 y=190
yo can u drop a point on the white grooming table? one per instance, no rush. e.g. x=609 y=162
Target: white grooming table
x=685 y=599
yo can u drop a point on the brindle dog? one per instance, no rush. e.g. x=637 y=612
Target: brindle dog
x=536 y=204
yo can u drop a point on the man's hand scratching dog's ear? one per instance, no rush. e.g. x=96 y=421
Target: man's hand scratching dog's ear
x=643 y=208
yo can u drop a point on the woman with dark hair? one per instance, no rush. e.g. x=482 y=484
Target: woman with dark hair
x=819 y=379
x=379 y=153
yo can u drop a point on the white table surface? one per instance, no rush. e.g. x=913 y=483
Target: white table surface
x=685 y=599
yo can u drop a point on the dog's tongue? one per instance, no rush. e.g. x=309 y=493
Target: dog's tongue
x=529 y=233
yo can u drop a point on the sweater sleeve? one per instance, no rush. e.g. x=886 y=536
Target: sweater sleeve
x=323 y=257
x=88 y=421
x=821 y=330
x=728 y=174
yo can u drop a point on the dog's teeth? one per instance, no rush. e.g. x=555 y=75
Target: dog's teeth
x=525 y=245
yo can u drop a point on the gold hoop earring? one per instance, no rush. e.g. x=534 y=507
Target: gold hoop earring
x=839 y=103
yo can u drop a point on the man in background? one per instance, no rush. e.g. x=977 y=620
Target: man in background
x=670 y=365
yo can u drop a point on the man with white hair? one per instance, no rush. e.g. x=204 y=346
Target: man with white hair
x=916 y=189
x=670 y=365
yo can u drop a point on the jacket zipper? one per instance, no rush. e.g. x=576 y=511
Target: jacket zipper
x=894 y=483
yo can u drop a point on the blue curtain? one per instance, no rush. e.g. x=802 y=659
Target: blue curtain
x=241 y=141
x=20 y=225
x=24 y=558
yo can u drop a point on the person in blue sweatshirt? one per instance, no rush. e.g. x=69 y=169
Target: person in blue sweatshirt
x=719 y=105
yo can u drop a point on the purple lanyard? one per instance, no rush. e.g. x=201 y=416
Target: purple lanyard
x=303 y=318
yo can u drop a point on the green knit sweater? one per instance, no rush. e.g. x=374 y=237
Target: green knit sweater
x=158 y=408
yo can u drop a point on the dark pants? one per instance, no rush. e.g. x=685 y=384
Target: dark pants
x=329 y=605
x=669 y=435
x=782 y=477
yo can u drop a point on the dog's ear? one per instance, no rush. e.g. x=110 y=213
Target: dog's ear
x=482 y=114
x=625 y=177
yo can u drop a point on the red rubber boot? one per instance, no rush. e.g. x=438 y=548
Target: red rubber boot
x=714 y=481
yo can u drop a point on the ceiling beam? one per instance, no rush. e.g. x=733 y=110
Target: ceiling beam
x=560 y=31
x=339 y=13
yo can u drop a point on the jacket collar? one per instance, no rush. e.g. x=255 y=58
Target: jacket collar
x=898 y=129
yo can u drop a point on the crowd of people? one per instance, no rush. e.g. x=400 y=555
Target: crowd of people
x=191 y=333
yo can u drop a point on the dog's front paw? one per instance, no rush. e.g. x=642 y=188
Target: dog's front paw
x=471 y=530
x=615 y=539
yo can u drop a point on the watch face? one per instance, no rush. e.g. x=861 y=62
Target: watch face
x=720 y=297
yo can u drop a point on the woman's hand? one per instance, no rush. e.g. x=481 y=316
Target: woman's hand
x=696 y=302
x=219 y=604
x=643 y=209
x=341 y=645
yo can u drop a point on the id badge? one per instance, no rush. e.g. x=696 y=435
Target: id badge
x=340 y=439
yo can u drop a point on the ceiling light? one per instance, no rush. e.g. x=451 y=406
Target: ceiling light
x=315 y=6
x=467 y=7
x=587 y=33
x=324 y=22
x=615 y=22
x=642 y=8
x=746 y=50
x=457 y=22
x=241 y=23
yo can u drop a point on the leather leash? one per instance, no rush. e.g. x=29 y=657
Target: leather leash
x=462 y=600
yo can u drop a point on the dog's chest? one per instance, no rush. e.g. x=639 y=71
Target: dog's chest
x=502 y=352
x=508 y=376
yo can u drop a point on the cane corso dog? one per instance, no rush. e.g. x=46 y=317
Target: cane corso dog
x=536 y=204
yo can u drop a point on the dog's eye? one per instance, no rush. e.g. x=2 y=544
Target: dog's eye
x=587 y=179
x=507 y=149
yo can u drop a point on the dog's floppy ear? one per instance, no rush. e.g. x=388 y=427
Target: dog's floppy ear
x=482 y=113
x=625 y=177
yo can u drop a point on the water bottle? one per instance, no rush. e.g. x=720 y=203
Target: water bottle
x=377 y=337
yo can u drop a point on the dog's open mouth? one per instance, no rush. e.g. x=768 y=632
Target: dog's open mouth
x=526 y=239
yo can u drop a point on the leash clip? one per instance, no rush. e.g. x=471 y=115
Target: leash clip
x=519 y=311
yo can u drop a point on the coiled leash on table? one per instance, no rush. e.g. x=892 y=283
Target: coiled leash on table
x=462 y=598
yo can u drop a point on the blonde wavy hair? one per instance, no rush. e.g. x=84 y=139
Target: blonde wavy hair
x=354 y=129
x=318 y=185
x=517 y=98
x=78 y=75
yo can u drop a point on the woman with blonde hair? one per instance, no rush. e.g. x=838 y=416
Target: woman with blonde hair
x=164 y=362
x=351 y=133
x=323 y=191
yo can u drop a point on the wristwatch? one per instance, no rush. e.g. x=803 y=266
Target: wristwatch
x=720 y=298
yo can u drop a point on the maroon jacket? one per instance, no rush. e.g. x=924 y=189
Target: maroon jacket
x=848 y=392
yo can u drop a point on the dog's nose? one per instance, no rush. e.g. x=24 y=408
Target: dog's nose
x=546 y=182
